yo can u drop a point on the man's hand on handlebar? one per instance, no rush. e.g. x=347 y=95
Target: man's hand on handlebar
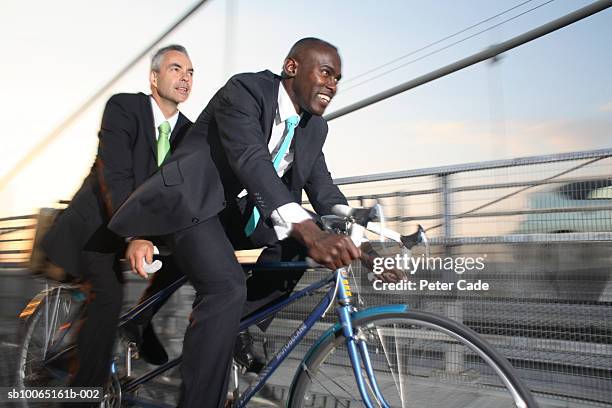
x=330 y=250
x=136 y=250
x=389 y=275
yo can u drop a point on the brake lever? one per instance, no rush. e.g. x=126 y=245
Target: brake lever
x=413 y=239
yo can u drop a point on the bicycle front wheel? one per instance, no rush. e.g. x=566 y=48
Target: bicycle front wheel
x=419 y=360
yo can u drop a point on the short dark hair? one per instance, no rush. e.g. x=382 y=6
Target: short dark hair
x=159 y=54
x=306 y=43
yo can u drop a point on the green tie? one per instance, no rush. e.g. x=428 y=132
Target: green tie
x=163 y=142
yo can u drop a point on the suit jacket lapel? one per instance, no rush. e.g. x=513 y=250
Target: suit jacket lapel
x=300 y=149
x=301 y=132
x=178 y=132
x=272 y=100
x=300 y=135
x=148 y=124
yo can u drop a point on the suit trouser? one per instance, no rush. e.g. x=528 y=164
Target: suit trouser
x=206 y=256
x=266 y=287
x=159 y=281
x=97 y=334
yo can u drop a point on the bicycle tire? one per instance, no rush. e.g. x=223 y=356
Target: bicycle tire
x=442 y=363
x=48 y=330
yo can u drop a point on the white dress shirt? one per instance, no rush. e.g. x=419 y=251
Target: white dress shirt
x=159 y=118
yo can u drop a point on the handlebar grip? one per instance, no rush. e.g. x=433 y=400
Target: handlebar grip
x=153 y=266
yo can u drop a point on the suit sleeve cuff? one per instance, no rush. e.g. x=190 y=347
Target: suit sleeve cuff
x=285 y=216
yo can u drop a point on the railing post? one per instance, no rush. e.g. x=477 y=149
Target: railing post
x=455 y=354
x=446 y=209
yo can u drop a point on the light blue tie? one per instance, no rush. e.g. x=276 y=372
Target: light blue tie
x=290 y=125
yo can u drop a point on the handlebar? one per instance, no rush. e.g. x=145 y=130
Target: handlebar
x=355 y=221
x=350 y=221
x=372 y=219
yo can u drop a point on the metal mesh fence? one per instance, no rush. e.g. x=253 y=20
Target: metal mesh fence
x=542 y=230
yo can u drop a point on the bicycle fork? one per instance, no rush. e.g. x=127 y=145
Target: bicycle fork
x=357 y=347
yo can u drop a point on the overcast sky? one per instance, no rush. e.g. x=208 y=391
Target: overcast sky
x=551 y=95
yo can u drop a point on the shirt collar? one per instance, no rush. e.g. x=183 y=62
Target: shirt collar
x=285 y=105
x=159 y=118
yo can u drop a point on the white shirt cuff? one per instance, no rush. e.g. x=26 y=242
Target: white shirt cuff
x=286 y=215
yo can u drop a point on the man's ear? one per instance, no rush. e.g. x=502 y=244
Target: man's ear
x=290 y=67
x=153 y=78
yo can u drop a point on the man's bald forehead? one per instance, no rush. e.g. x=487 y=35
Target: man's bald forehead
x=301 y=48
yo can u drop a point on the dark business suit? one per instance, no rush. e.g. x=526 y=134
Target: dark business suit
x=196 y=206
x=80 y=242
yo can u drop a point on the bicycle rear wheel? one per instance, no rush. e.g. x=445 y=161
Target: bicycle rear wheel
x=48 y=336
x=419 y=359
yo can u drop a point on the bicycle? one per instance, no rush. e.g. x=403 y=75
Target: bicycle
x=396 y=357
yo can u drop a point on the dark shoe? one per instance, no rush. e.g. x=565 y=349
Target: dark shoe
x=245 y=355
x=149 y=347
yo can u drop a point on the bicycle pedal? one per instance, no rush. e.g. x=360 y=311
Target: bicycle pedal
x=132 y=350
x=248 y=375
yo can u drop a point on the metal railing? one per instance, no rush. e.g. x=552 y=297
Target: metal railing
x=16 y=237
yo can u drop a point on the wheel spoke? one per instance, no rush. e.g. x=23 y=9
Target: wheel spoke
x=51 y=327
x=348 y=393
x=399 y=366
x=388 y=361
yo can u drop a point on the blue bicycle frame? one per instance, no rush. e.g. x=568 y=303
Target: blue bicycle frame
x=340 y=291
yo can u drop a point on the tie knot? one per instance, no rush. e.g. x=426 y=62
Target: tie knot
x=292 y=121
x=164 y=128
